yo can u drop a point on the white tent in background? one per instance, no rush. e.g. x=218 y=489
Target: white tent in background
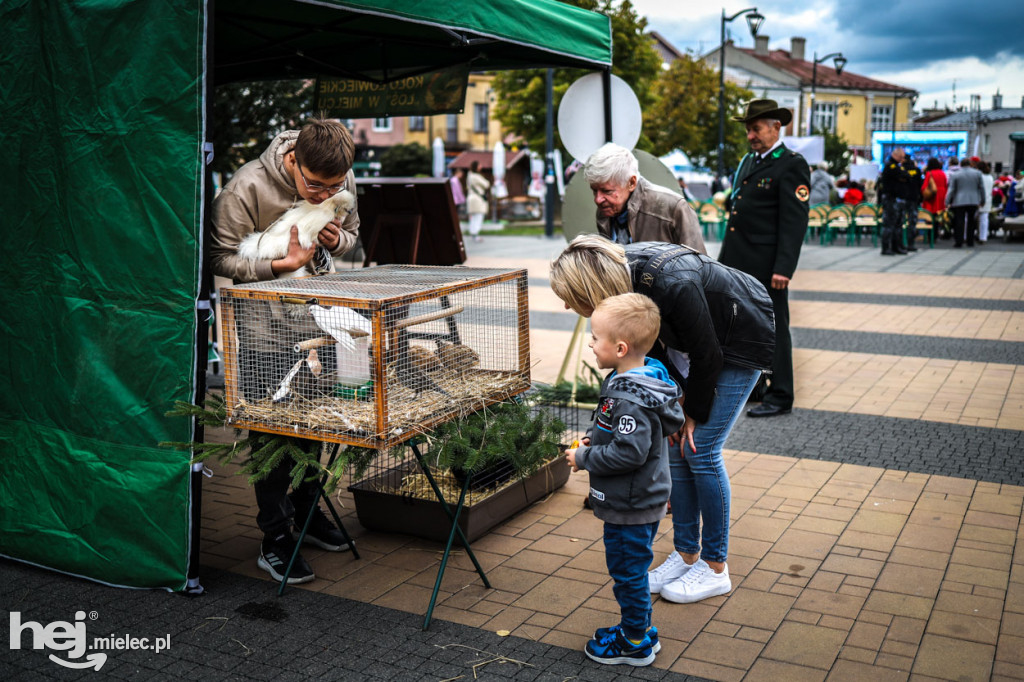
x=439 y=165
x=498 y=189
x=675 y=158
x=679 y=163
x=811 y=147
x=698 y=180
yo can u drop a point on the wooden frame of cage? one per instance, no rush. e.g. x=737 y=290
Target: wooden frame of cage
x=376 y=308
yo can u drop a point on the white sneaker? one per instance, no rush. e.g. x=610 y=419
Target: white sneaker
x=700 y=582
x=671 y=569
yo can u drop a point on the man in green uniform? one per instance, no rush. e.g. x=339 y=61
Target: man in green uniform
x=768 y=211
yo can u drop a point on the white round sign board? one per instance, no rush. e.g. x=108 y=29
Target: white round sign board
x=581 y=116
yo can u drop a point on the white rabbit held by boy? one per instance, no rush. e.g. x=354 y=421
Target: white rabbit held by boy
x=310 y=218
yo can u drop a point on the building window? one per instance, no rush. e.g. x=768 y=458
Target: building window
x=452 y=128
x=382 y=125
x=824 y=117
x=480 y=118
x=417 y=123
x=881 y=117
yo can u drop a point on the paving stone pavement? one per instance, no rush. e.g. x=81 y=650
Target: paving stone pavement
x=865 y=545
x=906 y=299
x=240 y=630
x=913 y=445
x=912 y=345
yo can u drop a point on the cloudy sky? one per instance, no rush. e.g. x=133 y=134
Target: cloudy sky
x=924 y=45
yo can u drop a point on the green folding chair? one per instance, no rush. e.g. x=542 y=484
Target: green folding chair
x=867 y=218
x=710 y=214
x=816 y=222
x=839 y=219
x=925 y=225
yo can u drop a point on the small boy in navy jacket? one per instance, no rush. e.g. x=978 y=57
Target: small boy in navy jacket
x=626 y=453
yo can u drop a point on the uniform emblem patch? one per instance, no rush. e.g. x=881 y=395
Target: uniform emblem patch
x=802 y=193
x=627 y=424
x=604 y=414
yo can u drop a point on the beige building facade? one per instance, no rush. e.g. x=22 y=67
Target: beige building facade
x=474 y=128
x=845 y=103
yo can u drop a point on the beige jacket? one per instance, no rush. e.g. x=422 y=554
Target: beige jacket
x=258 y=194
x=657 y=214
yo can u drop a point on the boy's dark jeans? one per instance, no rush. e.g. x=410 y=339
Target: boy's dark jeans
x=276 y=507
x=629 y=551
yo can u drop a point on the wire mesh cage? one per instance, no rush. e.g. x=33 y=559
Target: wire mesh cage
x=373 y=357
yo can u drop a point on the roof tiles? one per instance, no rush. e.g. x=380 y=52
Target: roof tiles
x=826 y=77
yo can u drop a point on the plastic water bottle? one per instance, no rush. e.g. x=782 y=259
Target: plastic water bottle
x=354 y=365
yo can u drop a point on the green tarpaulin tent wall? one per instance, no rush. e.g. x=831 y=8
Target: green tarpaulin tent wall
x=103 y=109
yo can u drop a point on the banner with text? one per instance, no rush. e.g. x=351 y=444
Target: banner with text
x=436 y=92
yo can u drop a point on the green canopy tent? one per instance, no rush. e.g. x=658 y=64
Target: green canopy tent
x=388 y=39
x=103 y=296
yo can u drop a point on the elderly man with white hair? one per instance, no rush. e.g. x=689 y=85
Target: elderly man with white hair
x=632 y=209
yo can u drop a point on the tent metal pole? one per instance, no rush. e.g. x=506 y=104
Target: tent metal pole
x=204 y=311
x=606 y=83
x=549 y=157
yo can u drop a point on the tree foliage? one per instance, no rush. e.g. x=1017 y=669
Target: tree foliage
x=406 y=160
x=247 y=116
x=837 y=152
x=522 y=104
x=685 y=114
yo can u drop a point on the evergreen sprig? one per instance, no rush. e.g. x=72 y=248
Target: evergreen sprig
x=504 y=432
x=588 y=389
x=259 y=453
x=508 y=431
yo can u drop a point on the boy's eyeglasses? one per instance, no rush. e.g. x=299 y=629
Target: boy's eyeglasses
x=316 y=188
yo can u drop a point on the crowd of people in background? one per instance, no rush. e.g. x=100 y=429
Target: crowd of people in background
x=903 y=187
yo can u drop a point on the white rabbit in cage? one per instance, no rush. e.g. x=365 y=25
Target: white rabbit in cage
x=310 y=218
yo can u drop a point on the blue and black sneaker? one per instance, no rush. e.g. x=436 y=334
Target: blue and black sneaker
x=615 y=649
x=652 y=634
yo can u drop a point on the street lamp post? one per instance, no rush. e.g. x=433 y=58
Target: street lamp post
x=839 y=61
x=488 y=100
x=754 y=20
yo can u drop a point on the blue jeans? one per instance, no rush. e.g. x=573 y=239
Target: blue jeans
x=700 y=484
x=629 y=551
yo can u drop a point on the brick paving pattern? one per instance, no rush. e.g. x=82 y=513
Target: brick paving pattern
x=875 y=531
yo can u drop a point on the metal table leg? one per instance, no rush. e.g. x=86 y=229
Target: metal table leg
x=456 y=530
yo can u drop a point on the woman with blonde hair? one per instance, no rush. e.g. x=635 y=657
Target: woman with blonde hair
x=717 y=336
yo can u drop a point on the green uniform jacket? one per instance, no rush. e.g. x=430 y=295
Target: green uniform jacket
x=768 y=212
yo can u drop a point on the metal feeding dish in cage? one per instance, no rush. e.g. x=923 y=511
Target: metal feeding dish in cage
x=375 y=356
